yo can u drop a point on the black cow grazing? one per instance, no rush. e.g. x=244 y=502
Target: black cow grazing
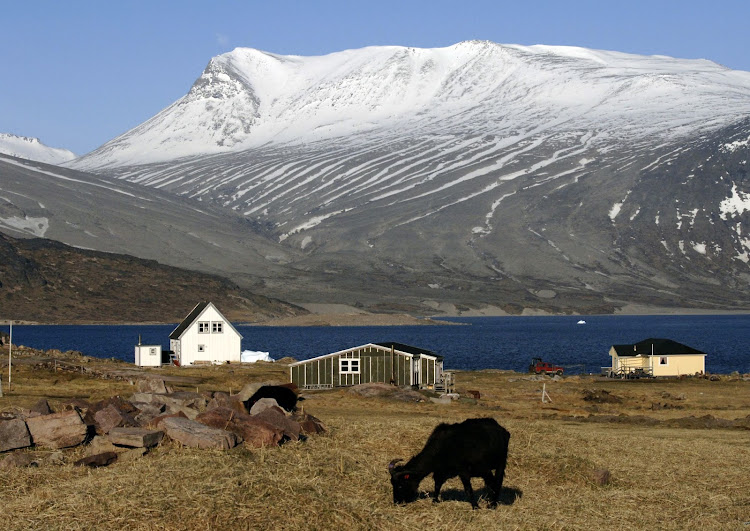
x=472 y=448
x=284 y=396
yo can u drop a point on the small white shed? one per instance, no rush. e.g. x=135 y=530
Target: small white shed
x=148 y=355
x=205 y=336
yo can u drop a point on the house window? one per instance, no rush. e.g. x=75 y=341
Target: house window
x=349 y=366
x=152 y=351
x=663 y=360
x=217 y=328
x=203 y=327
x=201 y=348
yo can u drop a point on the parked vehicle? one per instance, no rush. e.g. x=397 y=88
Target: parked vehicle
x=544 y=367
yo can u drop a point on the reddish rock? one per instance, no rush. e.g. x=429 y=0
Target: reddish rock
x=254 y=432
x=42 y=407
x=276 y=418
x=95 y=461
x=13 y=435
x=263 y=404
x=59 y=430
x=156 y=420
x=119 y=403
x=111 y=417
x=196 y=435
x=74 y=403
x=308 y=424
x=135 y=437
x=224 y=400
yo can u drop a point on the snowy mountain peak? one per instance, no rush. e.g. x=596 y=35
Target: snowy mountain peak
x=248 y=98
x=32 y=149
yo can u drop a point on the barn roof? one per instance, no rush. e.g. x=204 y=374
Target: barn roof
x=408 y=349
x=399 y=348
x=656 y=347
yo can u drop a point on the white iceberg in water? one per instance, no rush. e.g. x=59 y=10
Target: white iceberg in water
x=251 y=356
x=581 y=322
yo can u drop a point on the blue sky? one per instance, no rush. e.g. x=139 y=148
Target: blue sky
x=76 y=74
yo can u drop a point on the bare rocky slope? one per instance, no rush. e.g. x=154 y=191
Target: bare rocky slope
x=46 y=281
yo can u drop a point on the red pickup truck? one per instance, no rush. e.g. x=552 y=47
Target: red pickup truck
x=544 y=367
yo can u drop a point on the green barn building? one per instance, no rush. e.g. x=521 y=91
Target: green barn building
x=374 y=362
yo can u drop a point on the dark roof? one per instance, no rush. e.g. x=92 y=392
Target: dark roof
x=657 y=346
x=408 y=349
x=187 y=321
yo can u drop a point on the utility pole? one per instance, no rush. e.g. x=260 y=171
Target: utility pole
x=10 y=359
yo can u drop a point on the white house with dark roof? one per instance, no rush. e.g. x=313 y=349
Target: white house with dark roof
x=205 y=336
x=656 y=357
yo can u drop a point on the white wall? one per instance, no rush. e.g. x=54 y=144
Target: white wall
x=148 y=355
x=217 y=346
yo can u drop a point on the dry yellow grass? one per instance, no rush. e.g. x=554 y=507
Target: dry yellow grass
x=662 y=478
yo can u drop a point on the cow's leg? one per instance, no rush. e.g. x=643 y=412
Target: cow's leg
x=439 y=480
x=490 y=481
x=466 y=480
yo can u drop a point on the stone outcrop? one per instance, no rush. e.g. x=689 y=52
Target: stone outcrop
x=111 y=417
x=135 y=437
x=58 y=430
x=277 y=418
x=196 y=435
x=13 y=435
x=254 y=432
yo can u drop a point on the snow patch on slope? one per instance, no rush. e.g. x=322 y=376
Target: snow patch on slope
x=32 y=149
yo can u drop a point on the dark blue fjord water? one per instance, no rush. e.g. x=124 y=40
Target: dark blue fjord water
x=482 y=343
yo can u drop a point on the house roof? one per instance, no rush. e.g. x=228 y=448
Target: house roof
x=193 y=315
x=400 y=348
x=656 y=347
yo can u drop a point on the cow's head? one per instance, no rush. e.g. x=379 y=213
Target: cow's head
x=405 y=484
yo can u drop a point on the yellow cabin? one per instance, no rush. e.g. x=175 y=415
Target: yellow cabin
x=656 y=357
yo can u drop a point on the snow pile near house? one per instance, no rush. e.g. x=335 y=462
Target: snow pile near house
x=251 y=356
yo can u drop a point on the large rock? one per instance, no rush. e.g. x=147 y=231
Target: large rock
x=308 y=424
x=13 y=435
x=42 y=407
x=186 y=402
x=255 y=432
x=220 y=399
x=151 y=385
x=135 y=437
x=111 y=417
x=95 y=461
x=124 y=406
x=59 y=430
x=278 y=419
x=196 y=435
x=263 y=404
x=148 y=412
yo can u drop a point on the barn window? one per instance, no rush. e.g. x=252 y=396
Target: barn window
x=203 y=327
x=201 y=348
x=663 y=360
x=349 y=366
x=217 y=328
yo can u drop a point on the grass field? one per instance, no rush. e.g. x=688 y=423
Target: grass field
x=662 y=477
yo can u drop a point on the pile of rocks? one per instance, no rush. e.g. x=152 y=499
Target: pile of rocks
x=117 y=428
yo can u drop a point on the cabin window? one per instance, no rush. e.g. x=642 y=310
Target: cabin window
x=217 y=328
x=349 y=366
x=201 y=348
x=203 y=327
x=152 y=351
x=663 y=360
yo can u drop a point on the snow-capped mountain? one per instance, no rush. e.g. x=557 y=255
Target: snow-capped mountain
x=32 y=149
x=542 y=176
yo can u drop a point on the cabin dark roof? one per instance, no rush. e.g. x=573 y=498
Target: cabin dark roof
x=657 y=346
x=187 y=321
x=408 y=349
